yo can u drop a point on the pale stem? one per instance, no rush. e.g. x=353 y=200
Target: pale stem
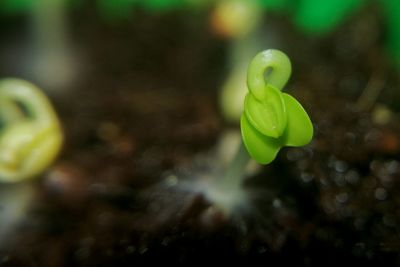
x=235 y=173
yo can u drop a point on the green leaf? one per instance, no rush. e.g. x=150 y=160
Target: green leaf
x=268 y=115
x=299 y=129
x=272 y=119
x=261 y=148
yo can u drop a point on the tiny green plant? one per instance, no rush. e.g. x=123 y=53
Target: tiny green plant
x=30 y=132
x=272 y=119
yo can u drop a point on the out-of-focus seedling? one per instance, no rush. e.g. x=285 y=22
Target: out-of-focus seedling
x=30 y=132
x=238 y=20
x=272 y=119
x=317 y=17
x=51 y=59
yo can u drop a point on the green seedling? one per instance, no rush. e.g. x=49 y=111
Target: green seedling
x=272 y=119
x=30 y=132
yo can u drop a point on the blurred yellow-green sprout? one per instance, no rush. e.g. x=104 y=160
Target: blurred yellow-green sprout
x=238 y=20
x=30 y=132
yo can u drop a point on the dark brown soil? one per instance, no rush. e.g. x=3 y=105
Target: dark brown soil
x=146 y=104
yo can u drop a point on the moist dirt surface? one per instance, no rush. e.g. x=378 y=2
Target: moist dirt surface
x=144 y=109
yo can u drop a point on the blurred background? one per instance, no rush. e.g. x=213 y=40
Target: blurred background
x=146 y=89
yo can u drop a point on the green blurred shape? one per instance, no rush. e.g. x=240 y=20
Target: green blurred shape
x=115 y=9
x=162 y=5
x=199 y=3
x=17 y=7
x=320 y=16
x=391 y=9
x=13 y=7
x=276 y=4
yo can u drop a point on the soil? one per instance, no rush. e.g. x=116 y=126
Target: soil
x=145 y=108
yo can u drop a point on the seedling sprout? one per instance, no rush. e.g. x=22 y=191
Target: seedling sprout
x=30 y=133
x=270 y=120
